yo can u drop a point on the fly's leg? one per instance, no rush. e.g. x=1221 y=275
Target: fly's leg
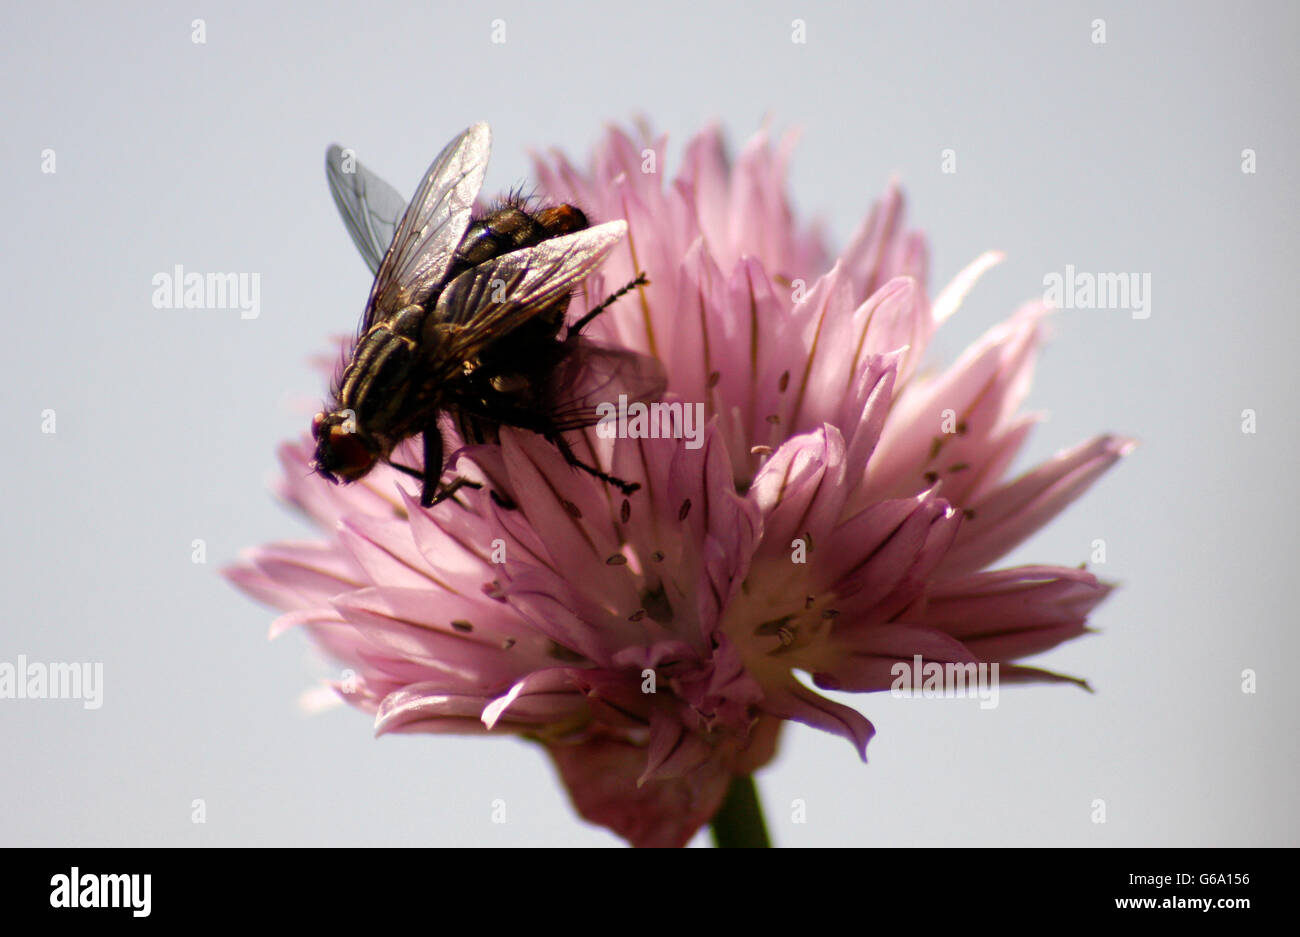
x=442 y=494
x=609 y=301
x=449 y=491
x=565 y=450
x=414 y=473
x=432 y=466
x=530 y=420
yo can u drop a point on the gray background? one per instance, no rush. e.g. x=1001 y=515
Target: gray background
x=1117 y=157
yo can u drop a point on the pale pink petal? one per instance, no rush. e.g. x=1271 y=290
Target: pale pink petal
x=601 y=776
x=1005 y=517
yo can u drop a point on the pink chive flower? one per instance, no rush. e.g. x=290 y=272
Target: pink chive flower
x=838 y=515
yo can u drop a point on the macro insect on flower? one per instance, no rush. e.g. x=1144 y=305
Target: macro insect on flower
x=840 y=517
x=464 y=316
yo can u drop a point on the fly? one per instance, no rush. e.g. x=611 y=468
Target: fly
x=467 y=316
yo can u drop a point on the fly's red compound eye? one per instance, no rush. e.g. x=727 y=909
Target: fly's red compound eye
x=351 y=456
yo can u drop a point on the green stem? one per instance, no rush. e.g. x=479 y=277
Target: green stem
x=739 y=823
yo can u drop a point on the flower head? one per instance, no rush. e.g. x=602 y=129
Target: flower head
x=837 y=516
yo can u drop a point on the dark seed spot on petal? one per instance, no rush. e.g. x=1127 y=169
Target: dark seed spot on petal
x=657 y=556
x=935 y=445
x=508 y=643
x=400 y=512
x=970 y=515
x=807 y=538
x=931 y=477
x=962 y=428
x=761 y=450
x=809 y=601
x=625 y=512
x=959 y=467
x=773 y=418
x=784 y=382
x=505 y=503
x=685 y=509
x=618 y=559
x=462 y=626
x=830 y=613
x=571 y=508
x=714 y=378
x=637 y=615
x=560 y=652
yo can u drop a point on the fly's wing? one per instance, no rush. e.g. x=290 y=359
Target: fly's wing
x=499 y=295
x=593 y=374
x=371 y=208
x=420 y=254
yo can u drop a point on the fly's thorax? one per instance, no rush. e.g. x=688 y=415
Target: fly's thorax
x=391 y=384
x=437 y=350
x=378 y=378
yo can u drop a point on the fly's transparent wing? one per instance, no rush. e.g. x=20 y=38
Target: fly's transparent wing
x=499 y=295
x=593 y=374
x=371 y=208
x=431 y=228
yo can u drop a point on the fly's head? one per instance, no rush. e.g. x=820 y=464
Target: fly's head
x=343 y=454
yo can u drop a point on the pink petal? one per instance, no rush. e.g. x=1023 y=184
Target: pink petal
x=881 y=559
x=544 y=696
x=795 y=701
x=601 y=776
x=952 y=296
x=801 y=490
x=429 y=708
x=1004 y=518
x=673 y=751
x=862 y=660
x=938 y=428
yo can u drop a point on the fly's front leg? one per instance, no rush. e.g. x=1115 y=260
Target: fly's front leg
x=430 y=493
x=432 y=465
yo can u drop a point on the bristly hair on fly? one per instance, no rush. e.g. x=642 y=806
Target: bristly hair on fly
x=522 y=196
